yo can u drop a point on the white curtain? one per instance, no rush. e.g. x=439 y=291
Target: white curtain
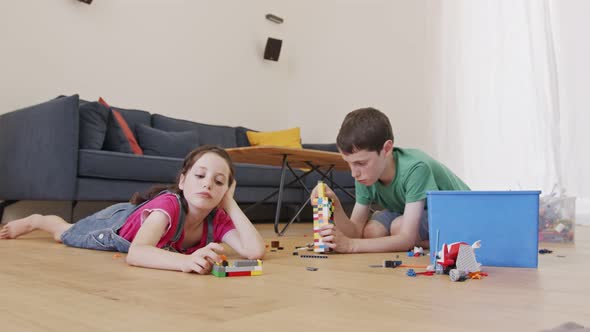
x=495 y=101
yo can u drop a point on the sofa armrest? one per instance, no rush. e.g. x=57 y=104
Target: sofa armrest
x=39 y=151
x=321 y=146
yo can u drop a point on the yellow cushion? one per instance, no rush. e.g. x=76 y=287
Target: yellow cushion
x=287 y=138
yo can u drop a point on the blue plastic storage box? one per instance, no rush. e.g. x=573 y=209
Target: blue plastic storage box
x=506 y=222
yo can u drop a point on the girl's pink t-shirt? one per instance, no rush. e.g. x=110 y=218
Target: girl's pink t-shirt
x=168 y=204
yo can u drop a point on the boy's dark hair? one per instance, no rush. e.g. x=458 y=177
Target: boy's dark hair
x=364 y=129
x=188 y=163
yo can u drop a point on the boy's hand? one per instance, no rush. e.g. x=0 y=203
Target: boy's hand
x=335 y=239
x=228 y=197
x=329 y=193
x=202 y=260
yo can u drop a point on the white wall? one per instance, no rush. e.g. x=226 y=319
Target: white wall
x=197 y=60
x=344 y=55
x=570 y=24
x=201 y=60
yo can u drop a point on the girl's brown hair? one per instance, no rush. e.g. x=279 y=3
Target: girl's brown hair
x=188 y=163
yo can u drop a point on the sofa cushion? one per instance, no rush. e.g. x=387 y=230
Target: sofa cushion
x=287 y=138
x=251 y=175
x=132 y=117
x=158 y=142
x=121 y=190
x=38 y=147
x=80 y=100
x=223 y=136
x=120 y=137
x=115 y=140
x=93 y=125
x=241 y=136
x=332 y=147
x=127 y=166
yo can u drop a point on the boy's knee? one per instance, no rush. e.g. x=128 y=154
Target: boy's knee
x=374 y=229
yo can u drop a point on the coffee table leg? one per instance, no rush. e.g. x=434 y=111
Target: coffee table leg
x=280 y=198
x=282 y=232
x=334 y=183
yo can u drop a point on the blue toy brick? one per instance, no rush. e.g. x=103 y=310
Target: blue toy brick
x=506 y=222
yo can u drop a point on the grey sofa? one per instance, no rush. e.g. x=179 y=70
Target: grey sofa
x=45 y=155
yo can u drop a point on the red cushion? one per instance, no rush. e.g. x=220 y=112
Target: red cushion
x=125 y=127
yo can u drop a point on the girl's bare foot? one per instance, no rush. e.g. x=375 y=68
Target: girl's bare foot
x=16 y=228
x=53 y=224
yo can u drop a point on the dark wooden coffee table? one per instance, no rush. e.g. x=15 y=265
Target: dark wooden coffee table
x=321 y=162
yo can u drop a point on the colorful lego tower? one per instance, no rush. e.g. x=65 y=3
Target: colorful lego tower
x=322 y=215
x=239 y=268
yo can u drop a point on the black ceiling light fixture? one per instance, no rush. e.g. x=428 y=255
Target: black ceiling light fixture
x=274 y=18
x=272 y=49
x=273 y=45
x=86 y=1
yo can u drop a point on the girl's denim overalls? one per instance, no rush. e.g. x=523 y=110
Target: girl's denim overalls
x=100 y=230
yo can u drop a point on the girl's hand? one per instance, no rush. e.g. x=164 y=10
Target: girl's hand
x=228 y=197
x=202 y=260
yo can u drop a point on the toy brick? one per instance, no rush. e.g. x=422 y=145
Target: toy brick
x=457 y=275
x=218 y=274
x=255 y=273
x=246 y=262
x=466 y=259
x=243 y=268
x=391 y=264
x=239 y=274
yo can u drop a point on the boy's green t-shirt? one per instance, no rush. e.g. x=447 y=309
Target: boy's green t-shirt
x=416 y=173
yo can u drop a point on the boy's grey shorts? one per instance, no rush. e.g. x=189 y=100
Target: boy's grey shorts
x=100 y=230
x=386 y=217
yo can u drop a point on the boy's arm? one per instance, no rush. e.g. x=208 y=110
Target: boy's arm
x=352 y=227
x=403 y=241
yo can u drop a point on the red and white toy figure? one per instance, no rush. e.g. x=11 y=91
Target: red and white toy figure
x=418 y=251
x=449 y=256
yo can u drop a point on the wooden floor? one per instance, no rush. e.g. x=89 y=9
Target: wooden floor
x=46 y=286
